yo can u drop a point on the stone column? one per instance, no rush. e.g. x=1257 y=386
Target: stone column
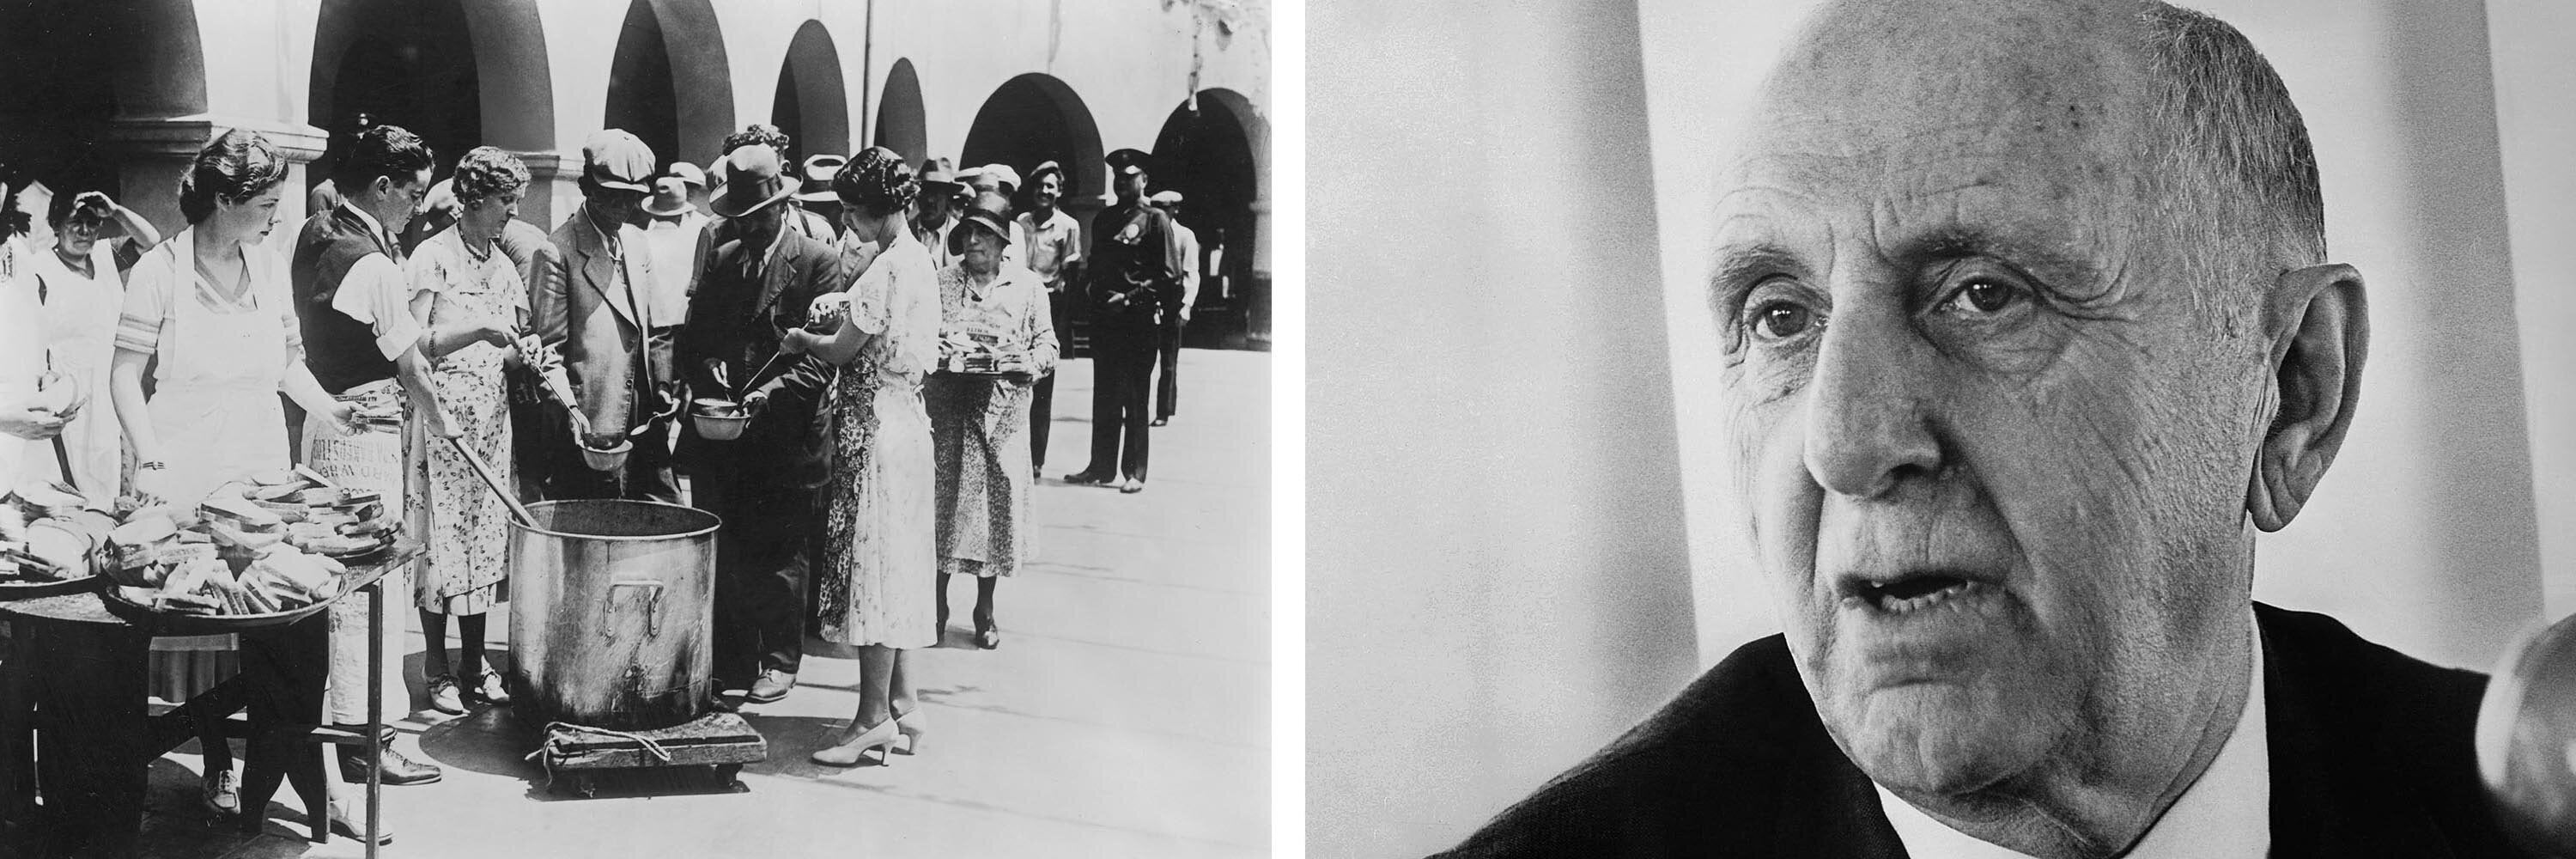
x=553 y=187
x=153 y=154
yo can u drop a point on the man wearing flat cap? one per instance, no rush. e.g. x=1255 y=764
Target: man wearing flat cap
x=2029 y=330
x=1135 y=282
x=591 y=300
x=1055 y=252
x=758 y=283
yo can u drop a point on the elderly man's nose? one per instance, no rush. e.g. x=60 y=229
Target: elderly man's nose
x=1867 y=430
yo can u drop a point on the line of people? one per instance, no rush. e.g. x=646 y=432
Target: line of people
x=889 y=344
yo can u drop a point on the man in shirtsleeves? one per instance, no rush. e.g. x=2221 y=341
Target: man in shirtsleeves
x=362 y=343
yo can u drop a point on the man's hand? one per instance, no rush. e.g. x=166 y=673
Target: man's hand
x=344 y=416
x=754 y=402
x=31 y=424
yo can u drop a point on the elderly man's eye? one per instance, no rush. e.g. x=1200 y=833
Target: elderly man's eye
x=1984 y=297
x=1781 y=320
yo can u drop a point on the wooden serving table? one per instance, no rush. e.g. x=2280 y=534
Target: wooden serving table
x=74 y=730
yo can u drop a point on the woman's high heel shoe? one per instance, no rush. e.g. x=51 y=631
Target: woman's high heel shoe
x=909 y=725
x=851 y=751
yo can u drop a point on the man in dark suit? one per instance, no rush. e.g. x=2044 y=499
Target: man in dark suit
x=588 y=300
x=758 y=283
x=1135 y=284
x=2028 y=329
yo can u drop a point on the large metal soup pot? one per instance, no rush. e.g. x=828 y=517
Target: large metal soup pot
x=611 y=607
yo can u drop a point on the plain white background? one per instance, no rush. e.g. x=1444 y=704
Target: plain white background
x=1511 y=492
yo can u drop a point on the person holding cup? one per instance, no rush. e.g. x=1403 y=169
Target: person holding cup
x=996 y=337
x=760 y=279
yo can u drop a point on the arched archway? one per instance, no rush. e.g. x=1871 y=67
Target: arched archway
x=460 y=73
x=1034 y=118
x=811 y=105
x=80 y=70
x=682 y=117
x=402 y=63
x=901 y=125
x=1214 y=150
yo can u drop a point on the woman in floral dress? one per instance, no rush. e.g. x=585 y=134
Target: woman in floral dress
x=877 y=558
x=996 y=310
x=474 y=305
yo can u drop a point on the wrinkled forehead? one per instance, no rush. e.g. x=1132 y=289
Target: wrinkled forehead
x=1942 y=93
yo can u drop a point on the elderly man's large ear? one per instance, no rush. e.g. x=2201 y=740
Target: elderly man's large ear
x=2320 y=332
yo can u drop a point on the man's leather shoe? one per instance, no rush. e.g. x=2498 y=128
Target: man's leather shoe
x=1132 y=486
x=1160 y=422
x=772 y=686
x=1086 y=478
x=397 y=768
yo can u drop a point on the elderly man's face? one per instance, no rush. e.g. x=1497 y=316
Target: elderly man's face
x=1995 y=459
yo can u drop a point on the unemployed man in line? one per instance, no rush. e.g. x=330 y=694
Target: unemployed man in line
x=591 y=299
x=2029 y=329
x=758 y=284
x=1055 y=253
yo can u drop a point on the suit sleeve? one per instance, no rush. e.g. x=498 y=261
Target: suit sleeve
x=690 y=349
x=546 y=311
x=810 y=376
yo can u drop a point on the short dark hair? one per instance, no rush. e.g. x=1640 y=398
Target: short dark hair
x=389 y=151
x=235 y=166
x=60 y=210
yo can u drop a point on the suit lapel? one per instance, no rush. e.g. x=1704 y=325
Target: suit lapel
x=599 y=269
x=774 y=274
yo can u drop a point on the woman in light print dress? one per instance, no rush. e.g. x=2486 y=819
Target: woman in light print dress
x=987 y=307
x=471 y=300
x=874 y=588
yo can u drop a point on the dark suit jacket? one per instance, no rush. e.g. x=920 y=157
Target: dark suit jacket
x=2371 y=756
x=745 y=299
x=578 y=305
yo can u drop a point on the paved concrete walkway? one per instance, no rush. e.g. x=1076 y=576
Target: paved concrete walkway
x=1126 y=713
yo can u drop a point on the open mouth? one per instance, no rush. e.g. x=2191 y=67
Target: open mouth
x=1912 y=593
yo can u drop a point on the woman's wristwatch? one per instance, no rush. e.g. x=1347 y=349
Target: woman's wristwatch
x=153 y=465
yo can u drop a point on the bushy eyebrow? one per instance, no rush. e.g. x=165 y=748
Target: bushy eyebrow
x=1742 y=266
x=2068 y=275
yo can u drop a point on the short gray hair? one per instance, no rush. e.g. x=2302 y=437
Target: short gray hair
x=2229 y=148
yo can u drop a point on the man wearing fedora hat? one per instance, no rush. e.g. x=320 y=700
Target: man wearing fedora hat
x=1054 y=250
x=934 y=209
x=673 y=228
x=818 y=211
x=1135 y=281
x=591 y=300
x=759 y=281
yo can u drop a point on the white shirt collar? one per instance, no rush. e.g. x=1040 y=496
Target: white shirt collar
x=371 y=222
x=2225 y=814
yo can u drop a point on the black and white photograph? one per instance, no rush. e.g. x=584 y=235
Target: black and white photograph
x=1941 y=428
x=637 y=428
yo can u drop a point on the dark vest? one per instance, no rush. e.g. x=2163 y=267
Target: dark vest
x=341 y=351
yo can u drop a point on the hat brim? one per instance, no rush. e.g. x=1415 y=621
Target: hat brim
x=620 y=185
x=729 y=205
x=684 y=208
x=823 y=196
x=957 y=234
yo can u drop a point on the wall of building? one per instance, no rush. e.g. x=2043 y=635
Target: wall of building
x=545 y=69
x=1496 y=572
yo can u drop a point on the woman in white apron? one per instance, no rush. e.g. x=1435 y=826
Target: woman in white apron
x=216 y=308
x=81 y=286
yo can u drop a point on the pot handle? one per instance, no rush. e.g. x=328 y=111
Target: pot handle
x=652 y=607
